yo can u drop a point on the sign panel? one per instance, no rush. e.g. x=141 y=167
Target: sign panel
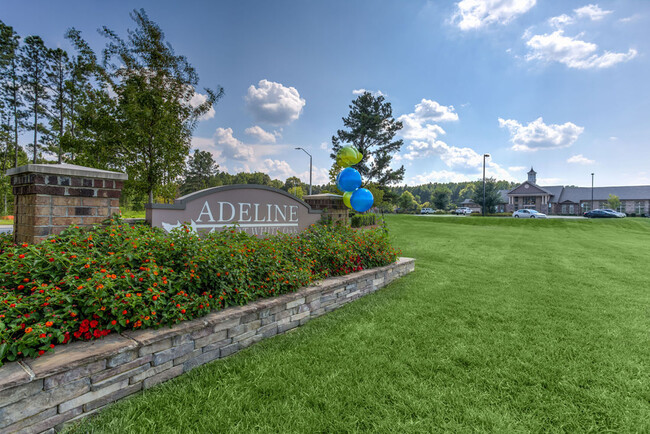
x=256 y=209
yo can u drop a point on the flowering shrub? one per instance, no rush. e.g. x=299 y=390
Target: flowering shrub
x=85 y=284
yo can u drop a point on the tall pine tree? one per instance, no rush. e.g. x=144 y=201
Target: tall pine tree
x=34 y=60
x=10 y=86
x=58 y=75
x=371 y=128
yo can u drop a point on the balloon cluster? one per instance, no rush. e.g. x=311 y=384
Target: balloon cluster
x=349 y=180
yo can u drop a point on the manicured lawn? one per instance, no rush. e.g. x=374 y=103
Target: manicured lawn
x=133 y=214
x=505 y=326
x=6 y=222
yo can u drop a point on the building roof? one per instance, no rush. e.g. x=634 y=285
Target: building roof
x=524 y=188
x=555 y=191
x=576 y=194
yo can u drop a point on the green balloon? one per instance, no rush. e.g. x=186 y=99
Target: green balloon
x=359 y=156
x=348 y=156
x=346 y=198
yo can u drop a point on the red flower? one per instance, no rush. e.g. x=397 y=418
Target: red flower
x=124 y=312
x=51 y=259
x=113 y=322
x=93 y=324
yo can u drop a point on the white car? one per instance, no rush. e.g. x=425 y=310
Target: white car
x=528 y=214
x=426 y=211
x=463 y=210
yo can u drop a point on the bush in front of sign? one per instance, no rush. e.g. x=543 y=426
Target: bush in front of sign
x=85 y=284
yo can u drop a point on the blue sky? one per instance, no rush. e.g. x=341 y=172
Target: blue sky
x=558 y=85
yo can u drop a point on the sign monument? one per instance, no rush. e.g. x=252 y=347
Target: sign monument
x=255 y=209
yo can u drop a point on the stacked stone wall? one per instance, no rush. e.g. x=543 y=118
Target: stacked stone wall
x=79 y=379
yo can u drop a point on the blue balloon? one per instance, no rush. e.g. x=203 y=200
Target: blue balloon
x=349 y=179
x=362 y=200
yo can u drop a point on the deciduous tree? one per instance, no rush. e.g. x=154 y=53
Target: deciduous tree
x=492 y=196
x=154 y=88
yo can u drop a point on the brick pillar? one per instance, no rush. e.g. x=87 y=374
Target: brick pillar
x=50 y=197
x=332 y=204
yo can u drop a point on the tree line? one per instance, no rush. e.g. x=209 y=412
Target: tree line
x=131 y=108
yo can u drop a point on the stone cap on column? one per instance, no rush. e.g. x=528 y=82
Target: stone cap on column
x=67 y=170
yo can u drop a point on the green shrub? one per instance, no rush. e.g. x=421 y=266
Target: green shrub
x=359 y=220
x=84 y=284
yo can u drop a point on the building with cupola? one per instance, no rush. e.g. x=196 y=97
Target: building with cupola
x=561 y=200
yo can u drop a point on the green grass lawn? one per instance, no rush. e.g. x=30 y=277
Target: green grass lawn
x=133 y=214
x=6 y=222
x=505 y=326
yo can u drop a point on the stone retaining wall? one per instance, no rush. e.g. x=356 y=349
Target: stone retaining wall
x=79 y=379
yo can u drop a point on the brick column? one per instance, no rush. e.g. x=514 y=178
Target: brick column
x=332 y=204
x=50 y=197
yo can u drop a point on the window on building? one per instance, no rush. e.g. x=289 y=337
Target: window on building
x=586 y=206
x=572 y=209
x=604 y=205
x=529 y=200
x=563 y=209
x=639 y=207
x=621 y=207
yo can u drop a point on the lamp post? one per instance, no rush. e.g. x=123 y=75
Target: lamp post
x=484 y=157
x=592 y=191
x=309 y=167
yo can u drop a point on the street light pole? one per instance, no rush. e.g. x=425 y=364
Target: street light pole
x=484 y=156
x=309 y=167
x=592 y=191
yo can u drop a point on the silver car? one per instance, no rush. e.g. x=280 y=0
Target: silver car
x=528 y=214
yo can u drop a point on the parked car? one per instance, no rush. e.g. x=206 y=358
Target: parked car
x=618 y=214
x=528 y=214
x=463 y=211
x=426 y=211
x=602 y=214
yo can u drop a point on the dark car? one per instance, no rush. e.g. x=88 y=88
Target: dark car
x=600 y=213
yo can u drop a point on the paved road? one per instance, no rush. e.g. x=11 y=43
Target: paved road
x=465 y=216
x=6 y=229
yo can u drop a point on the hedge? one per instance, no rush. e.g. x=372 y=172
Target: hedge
x=85 y=284
x=359 y=220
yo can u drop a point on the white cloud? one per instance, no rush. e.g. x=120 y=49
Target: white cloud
x=420 y=125
x=232 y=147
x=324 y=146
x=474 y=14
x=613 y=138
x=281 y=169
x=433 y=111
x=516 y=168
x=572 y=52
x=423 y=133
x=373 y=92
x=549 y=181
x=197 y=100
x=537 y=135
x=579 y=159
x=630 y=18
x=243 y=157
x=262 y=135
x=274 y=103
x=593 y=12
x=560 y=21
x=491 y=171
